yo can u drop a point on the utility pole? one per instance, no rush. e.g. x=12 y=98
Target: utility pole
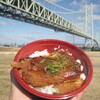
x=73 y=39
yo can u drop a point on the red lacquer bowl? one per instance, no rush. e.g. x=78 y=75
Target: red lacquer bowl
x=50 y=44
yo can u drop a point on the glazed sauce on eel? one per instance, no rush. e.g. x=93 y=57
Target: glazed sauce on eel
x=59 y=64
x=59 y=68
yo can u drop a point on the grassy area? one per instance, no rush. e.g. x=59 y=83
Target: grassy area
x=95 y=57
x=5 y=61
x=92 y=93
x=93 y=90
x=8 y=49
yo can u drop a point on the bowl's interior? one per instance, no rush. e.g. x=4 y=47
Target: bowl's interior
x=50 y=45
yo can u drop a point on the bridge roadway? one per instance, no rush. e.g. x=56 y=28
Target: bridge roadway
x=32 y=12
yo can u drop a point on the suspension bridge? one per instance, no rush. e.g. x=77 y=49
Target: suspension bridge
x=37 y=13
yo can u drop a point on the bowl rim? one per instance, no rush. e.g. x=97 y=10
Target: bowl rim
x=50 y=96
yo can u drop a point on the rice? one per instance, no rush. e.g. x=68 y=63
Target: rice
x=78 y=61
x=39 y=53
x=46 y=89
x=82 y=68
x=83 y=76
x=50 y=89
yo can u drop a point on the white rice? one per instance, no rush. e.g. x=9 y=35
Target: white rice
x=47 y=89
x=57 y=47
x=82 y=68
x=78 y=61
x=50 y=89
x=83 y=76
x=39 y=53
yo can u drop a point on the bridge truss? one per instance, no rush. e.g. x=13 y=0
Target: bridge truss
x=33 y=12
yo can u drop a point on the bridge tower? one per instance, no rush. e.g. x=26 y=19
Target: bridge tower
x=89 y=22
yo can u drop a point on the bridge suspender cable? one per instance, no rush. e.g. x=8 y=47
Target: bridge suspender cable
x=70 y=11
x=79 y=11
x=59 y=6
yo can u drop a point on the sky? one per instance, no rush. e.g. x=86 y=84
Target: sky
x=12 y=31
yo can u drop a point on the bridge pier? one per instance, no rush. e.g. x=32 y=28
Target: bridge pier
x=87 y=42
x=90 y=43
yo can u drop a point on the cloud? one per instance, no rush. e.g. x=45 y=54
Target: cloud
x=80 y=18
x=77 y=3
x=12 y=23
x=96 y=8
x=3 y=23
x=35 y=32
x=6 y=37
x=74 y=3
x=95 y=17
x=98 y=21
x=55 y=0
x=81 y=25
x=81 y=4
x=19 y=40
x=97 y=28
x=26 y=37
x=6 y=23
x=13 y=30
